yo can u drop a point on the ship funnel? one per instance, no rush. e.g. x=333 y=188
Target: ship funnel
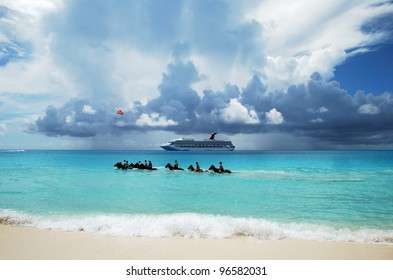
x=212 y=136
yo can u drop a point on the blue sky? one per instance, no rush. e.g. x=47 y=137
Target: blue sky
x=267 y=74
x=370 y=72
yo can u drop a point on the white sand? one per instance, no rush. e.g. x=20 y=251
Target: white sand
x=30 y=243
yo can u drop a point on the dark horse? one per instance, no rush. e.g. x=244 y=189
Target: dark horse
x=170 y=167
x=119 y=165
x=144 y=167
x=149 y=168
x=191 y=168
x=216 y=170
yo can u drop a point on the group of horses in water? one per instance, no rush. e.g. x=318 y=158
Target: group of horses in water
x=142 y=166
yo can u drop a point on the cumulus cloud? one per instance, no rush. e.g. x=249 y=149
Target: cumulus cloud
x=154 y=120
x=323 y=109
x=317 y=120
x=70 y=119
x=235 y=112
x=299 y=45
x=87 y=109
x=274 y=117
x=368 y=109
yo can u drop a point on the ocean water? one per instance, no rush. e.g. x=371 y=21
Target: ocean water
x=317 y=195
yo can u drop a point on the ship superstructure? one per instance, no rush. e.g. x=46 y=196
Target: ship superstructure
x=189 y=144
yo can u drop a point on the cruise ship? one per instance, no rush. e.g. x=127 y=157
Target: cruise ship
x=189 y=144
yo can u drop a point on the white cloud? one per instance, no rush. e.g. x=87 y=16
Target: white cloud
x=282 y=71
x=323 y=109
x=274 y=117
x=317 y=120
x=87 y=109
x=31 y=78
x=368 y=109
x=216 y=75
x=235 y=112
x=69 y=119
x=302 y=36
x=35 y=9
x=37 y=72
x=154 y=120
x=320 y=110
x=136 y=73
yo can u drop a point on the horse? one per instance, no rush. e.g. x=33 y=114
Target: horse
x=216 y=170
x=170 y=167
x=191 y=168
x=143 y=167
x=150 y=168
x=119 y=165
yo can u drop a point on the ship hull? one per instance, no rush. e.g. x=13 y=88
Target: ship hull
x=194 y=149
x=191 y=145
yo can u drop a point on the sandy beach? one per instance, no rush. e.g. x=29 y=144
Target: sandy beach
x=38 y=244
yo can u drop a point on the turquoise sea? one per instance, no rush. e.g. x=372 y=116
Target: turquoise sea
x=317 y=195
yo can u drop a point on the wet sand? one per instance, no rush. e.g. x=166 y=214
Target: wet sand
x=27 y=243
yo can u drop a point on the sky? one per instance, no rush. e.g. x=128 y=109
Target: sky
x=266 y=74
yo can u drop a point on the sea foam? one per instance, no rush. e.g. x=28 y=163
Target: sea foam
x=192 y=225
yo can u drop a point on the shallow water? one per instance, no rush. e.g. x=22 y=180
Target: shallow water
x=322 y=195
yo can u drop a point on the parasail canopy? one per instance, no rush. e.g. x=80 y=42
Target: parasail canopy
x=120 y=112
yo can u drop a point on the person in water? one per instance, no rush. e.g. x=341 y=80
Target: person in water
x=221 y=168
x=176 y=165
x=197 y=167
x=125 y=164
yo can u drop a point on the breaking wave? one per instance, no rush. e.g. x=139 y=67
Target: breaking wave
x=12 y=151
x=192 y=225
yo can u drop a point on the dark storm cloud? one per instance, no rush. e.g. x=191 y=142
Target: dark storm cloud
x=324 y=111
x=177 y=100
x=215 y=101
x=254 y=93
x=317 y=110
x=75 y=118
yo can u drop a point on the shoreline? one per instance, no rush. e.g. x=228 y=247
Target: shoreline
x=27 y=243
